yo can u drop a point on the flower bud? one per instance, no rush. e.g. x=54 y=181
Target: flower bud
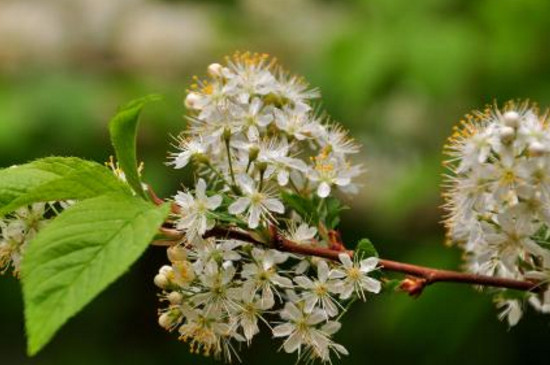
x=215 y=70
x=511 y=119
x=536 y=149
x=161 y=281
x=166 y=320
x=191 y=100
x=507 y=134
x=166 y=270
x=253 y=153
x=175 y=298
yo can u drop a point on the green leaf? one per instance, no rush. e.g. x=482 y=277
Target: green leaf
x=542 y=237
x=55 y=178
x=365 y=248
x=306 y=208
x=334 y=207
x=123 y=129
x=78 y=255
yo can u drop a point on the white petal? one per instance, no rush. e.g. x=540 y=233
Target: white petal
x=239 y=206
x=371 y=284
x=254 y=217
x=323 y=190
x=346 y=260
x=200 y=190
x=369 y=264
x=267 y=300
x=283 y=330
x=336 y=274
x=322 y=271
x=331 y=327
x=182 y=160
x=282 y=177
x=214 y=202
x=292 y=343
x=304 y=282
x=281 y=281
x=253 y=134
x=316 y=317
x=274 y=205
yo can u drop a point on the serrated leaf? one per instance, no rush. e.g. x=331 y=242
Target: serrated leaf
x=55 y=178
x=123 y=129
x=365 y=248
x=78 y=255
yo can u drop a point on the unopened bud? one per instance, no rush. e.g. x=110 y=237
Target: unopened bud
x=215 y=70
x=507 y=134
x=537 y=149
x=166 y=270
x=161 y=281
x=511 y=119
x=176 y=253
x=262 y=166
x=175 y=298
x=191 y=100
x=166 y=321
x=227 y=134
x=253 y=153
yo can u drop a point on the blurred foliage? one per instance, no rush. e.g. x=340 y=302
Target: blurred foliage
x=398 y=73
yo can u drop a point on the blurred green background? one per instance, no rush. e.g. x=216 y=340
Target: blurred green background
x=398 y=73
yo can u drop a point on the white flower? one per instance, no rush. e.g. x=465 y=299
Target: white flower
x=296 y=122
x=318 y=292
x=498 y=195
x=259 y=204
x=249 y=312
x=296 y=90
x=353 y=276
x=329 y=171
x=196 y=210
x=302 y=234
x=275 y=154
x=304 y=329
x=262 y=276
x=218 y=292
x=510 y=310
x=337 y=139
x=253 y=118
x=16 y=231
x=189 y=148
x=203 y=330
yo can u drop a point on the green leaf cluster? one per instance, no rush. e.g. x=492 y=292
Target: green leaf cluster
x=90 y=244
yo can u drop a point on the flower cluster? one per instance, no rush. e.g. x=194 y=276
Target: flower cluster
x=16 y=230
x=220 y=291
x=498 y=199
x=251 y=124
x=266 y=165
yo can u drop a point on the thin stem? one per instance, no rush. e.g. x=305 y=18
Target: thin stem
x=220 y=176
x=228 y=150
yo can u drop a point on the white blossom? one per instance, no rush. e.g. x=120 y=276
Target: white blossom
x=195 y=210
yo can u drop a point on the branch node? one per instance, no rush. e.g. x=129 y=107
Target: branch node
x=414 y=286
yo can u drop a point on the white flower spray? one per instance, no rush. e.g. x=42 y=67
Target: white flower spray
x=498 y=199
x=264 y=158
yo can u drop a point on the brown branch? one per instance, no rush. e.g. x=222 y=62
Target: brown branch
x=418 y=277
